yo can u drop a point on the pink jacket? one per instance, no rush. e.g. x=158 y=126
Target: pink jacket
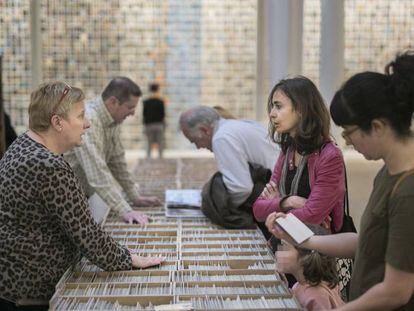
x=327 y=183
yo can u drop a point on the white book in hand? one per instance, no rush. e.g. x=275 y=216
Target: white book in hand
x=297 y=230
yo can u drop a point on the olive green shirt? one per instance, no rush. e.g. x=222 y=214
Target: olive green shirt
x=386 y=234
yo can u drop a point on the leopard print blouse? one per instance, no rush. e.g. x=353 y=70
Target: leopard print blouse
x=45 y=224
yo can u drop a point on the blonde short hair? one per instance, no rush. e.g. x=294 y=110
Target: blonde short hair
x=54 y=98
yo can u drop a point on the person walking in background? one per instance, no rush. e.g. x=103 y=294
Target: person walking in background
x=100 y=162
x=154 y=119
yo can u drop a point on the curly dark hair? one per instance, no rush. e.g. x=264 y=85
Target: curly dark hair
x=316 y=266
x=314 y=120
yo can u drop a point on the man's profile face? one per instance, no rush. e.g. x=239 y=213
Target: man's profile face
x=199 y=137
x=124 y=110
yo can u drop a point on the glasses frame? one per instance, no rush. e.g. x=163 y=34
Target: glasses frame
x=64 y=93
x=347 y=133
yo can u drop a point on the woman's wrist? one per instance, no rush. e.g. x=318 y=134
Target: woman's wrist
x=283 y=203
x=135 y=260
x=313 y=243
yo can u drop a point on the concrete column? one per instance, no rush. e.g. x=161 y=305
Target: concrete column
x=36 y=43
x=332 y=47
x=261 y=61
x=332 y=50
x=279 y=46
x=285 y=28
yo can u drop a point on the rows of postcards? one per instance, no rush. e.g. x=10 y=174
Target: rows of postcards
x=205 y=268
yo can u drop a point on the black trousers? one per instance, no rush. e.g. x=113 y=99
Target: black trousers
x=10 y=306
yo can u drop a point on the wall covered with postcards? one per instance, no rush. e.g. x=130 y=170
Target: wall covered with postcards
x=200 y=51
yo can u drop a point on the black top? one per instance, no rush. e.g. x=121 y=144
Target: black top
x=10 y=133
x=304 y=189
x=154 y=111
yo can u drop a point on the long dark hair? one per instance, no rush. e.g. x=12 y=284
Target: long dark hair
x=318 y=267
x=371 y=95
x=314 y=121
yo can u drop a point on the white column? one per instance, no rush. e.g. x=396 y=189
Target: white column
x=332 y=47
x=261 y=61
x=332 y=50
x=279 y=46
x=285 y=28
x=35 y=43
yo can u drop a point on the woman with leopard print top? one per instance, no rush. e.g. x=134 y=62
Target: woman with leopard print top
x=45 y=223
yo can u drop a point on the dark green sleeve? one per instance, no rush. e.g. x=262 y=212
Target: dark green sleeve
x=400 y=247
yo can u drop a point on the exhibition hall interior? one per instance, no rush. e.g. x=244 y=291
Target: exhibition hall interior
x=197 y=154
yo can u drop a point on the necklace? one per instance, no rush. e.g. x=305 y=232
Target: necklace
x=292 y=160
x=291 y=164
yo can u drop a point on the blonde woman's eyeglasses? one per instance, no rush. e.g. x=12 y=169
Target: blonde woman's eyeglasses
x=62 y=97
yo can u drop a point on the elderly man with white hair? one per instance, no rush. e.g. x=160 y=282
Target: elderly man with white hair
x=244 y=154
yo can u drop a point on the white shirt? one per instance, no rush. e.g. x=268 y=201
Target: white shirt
x=235 y=144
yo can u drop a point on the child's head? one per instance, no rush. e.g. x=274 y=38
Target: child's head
x=314 y=266
x=318 y=267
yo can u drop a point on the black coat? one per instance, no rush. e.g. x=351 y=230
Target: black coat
x=216 y=203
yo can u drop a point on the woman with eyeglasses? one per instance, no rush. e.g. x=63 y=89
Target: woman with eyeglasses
x=376 y=112
x=45 y=224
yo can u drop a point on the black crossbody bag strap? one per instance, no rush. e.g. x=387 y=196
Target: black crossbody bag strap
x=346 y=198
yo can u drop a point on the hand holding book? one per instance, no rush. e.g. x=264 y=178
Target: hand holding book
x=288 y=227
x=296 y=229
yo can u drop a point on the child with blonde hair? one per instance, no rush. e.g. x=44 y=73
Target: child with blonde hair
x=316 y=274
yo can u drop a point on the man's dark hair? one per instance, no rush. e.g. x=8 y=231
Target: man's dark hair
x=154 y=87
x=122 y=88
